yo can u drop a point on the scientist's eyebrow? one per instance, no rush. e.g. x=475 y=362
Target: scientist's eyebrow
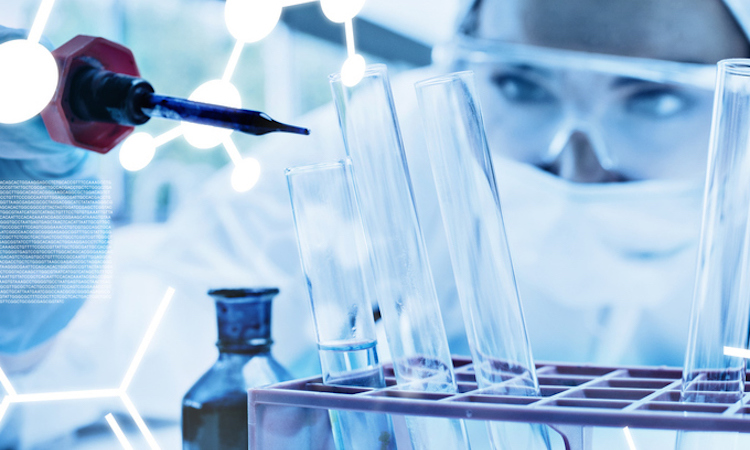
x=624 y=81
x=630 y=81
x=524 y=68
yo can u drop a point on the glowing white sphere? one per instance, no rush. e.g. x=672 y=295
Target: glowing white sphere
x=137 y=151
x=218 y=92
x=353 y=70
x=251 y=20
x=28 y=79
x=341 y=10
x=246 y=175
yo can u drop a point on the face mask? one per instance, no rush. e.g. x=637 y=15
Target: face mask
x=627 y=249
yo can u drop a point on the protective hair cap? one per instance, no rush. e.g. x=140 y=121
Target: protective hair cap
x=466 y=22
x=741 y=11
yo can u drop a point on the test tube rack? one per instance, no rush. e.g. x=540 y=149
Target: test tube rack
x=574 y=397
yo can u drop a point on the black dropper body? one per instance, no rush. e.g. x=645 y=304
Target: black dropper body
x=98 y=95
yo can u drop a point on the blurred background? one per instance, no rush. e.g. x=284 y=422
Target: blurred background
x=180 y=44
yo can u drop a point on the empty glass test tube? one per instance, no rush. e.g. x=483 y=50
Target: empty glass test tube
x=470 y=206
x=332 y=250
x=721 y=300
x=404 y=286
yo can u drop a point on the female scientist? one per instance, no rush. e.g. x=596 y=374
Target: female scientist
x=597 y=114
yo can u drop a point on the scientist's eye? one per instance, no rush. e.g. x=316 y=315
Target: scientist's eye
x=658 y=103
x=519 y=89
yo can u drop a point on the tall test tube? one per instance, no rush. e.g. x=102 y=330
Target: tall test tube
x=404 y=286
x=721 y=301
x=332 y=251
x=470 y=206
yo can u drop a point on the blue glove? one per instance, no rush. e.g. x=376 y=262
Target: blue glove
x=39 y=296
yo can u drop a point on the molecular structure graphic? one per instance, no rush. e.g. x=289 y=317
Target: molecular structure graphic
x=26 y=90
x=247 y=21
x=29 y=86
x=11 y=396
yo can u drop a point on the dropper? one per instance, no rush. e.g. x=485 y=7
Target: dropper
x=99 y=95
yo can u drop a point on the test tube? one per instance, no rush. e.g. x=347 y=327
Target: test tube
x=403 y=281
x=721 y=300
x=331 y=245
x=470 y=207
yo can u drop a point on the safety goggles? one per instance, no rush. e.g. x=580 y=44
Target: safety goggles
x=642 y=118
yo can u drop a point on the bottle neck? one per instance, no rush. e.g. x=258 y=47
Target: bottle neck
x=255 y=347
x=244 y=322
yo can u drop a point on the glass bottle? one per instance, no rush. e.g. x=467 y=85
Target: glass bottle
x=214 y=411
